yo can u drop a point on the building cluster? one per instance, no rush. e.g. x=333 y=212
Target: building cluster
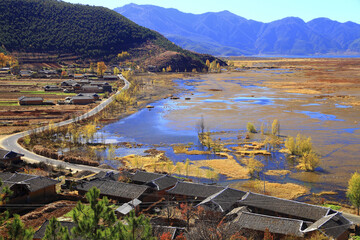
x=87 y=91
x=151 y=193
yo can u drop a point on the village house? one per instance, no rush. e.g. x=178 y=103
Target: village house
x=52 y=88
x=222 y=201
x=126 y=208
x=95 y=96
x=68 y=83
x=29 y=188
x=105 y=86
x=110 y=78
x=9 y=157
x=25 y=73
x=119 y=191
x=266 y=210
x=159 y=182
x=81 y=100
x=31 y=100
x=185 y=191
x=90 y=89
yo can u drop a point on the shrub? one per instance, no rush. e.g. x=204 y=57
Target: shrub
x=251 y=127
x=309 y=161
x=299 y=146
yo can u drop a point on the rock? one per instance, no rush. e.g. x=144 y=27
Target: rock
x=149 y=106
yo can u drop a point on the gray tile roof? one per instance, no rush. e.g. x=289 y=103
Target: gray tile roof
x=332 y=225
x=194 y=189
x=145 y=177
x=114 y=188
x=224 y=200
x=285 y=226
x=128 y=207
x=287 y=207
x=164 y=182
x=39 y=234
x=5 y=154
x=23 y=98
x=33 y=182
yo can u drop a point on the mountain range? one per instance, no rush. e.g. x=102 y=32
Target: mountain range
x=224 y=33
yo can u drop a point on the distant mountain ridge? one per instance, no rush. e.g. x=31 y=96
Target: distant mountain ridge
x=224 y=33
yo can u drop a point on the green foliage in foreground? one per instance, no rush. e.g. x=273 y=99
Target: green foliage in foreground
x=98 y=221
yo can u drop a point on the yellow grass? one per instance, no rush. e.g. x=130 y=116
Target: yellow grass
x=286 y=191
x=153 y=164
x=303 y=91
x=324 y=193
x=277 y=172
x=228 y=167
x=184 y=149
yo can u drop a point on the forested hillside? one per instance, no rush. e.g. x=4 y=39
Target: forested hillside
x=51 y=26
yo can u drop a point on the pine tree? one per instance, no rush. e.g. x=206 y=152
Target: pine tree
x=96 y=222
x=17 y=231
x=54 y=231
x=137 y=227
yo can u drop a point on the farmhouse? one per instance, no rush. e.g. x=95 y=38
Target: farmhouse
x=122 y=192
x=95 y=96
x=31 y=100
x=52 y=88
x=110 y=78
x=193 y=191
x=29 y=188
x=222 y=201
x=82 y=100
x=90 y=89
x=8 y=157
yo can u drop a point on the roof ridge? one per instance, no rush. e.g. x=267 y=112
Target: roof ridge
x=288 y=200
x=268 y=216
x=329 y=217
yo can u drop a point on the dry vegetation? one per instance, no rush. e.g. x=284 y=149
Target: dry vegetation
x=287 y=190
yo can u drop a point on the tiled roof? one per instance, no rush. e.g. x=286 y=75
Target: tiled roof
x=5 y=154
x=288 y=207
x=145 y=177
x=39 y=234
x=164 y=182
x=128 y=207
x=332 y=225
x=285 y=226
x=114 y=188
x=224 y=200
x=32 y=182
x=194 y=189
x=23 y=98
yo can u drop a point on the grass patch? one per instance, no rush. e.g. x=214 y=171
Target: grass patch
x=229 y=167
x=286 y=191
x=277 y=172
x=8 y=103
x=332 y=206
x=48 y=93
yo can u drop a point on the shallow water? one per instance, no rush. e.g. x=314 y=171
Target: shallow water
x=333 y=127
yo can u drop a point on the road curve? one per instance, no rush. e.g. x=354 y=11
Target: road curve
x=10 y=142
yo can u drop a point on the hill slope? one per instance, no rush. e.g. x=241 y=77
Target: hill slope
x=51 y=26
x=225 y=33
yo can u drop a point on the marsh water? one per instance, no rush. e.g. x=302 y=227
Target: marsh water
x=227 y=101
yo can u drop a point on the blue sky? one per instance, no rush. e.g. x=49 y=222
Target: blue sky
x=260 y=10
